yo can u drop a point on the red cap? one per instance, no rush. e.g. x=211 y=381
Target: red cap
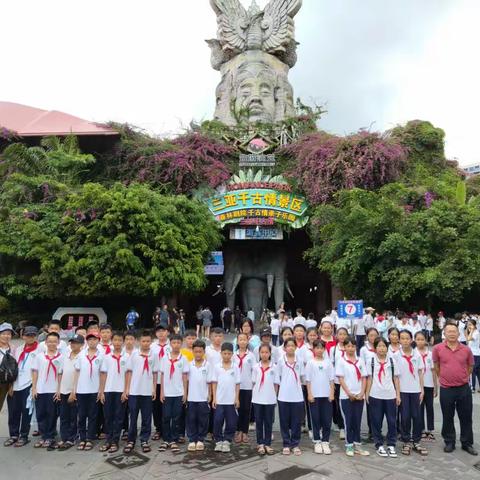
x=91 y=334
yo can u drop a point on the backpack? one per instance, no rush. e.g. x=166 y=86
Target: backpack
x=391 y=366
x=8 y=369
x=131 y=318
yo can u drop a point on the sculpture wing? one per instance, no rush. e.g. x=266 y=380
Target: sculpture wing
x=232 y=22
x=278 y=26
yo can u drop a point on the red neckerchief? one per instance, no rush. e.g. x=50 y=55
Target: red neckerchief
x=329 y=345
x=172 y=365
x=161 y=353
x=146 y=367
x=355 y=364
x=118 y=361
x=27 y=349
x=264 y=371
x=408 y=358
x=300 y=345
x=382 y=370
x=91 y=363
x=51 y=365
x=107 y=348
x=241 y=358
x=424 y=358
x=292 y=369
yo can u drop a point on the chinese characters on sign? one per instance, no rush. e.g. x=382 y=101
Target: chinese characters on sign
x=257 y=160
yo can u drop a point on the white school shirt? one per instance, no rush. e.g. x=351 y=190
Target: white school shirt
x=300 y=352
x=213 y=356
x=367 y=353
x=349 y=374
x=422 y=319
x=336 y=354
x=369 y=322
x=68 y=368
x=429 y=324
x=474 y=344
x=24 y=379
x=319 y=373
x=308 y=355
x=63 y=348
x=246 y=370
x=300 y=320
x=106 y=349
x=89 y=372
x=344 y=323
x=405 y=326
x=173 y=384
x=461 y=330
x=127 y=354
x=275 y=326
x=415 y=328
x=310 y=323
x=427 y=363
x=359 y=324
x=160 y=354
x=264 y=393
x=141 y=383
x=47 y=376
x=384 y=388
x=286 y=323
x=226 y=381
x=289 y=378
x=198 y=380
x=409 y=383
x=276 y=353
x=115 y=368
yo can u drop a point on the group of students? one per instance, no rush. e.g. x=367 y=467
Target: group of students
x=103 y=380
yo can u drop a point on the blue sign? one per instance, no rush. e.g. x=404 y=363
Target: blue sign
x=215 y=264
x=350 y=308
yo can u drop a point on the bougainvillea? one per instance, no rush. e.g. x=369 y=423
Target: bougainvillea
x=321 y=164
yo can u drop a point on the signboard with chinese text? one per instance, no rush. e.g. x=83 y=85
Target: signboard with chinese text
x=350 y=308
x=257 y=160
x=256 y=233
x=215 y=264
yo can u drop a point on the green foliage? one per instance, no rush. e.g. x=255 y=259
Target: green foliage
x=4 y=304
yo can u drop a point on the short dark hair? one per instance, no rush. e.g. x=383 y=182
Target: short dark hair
x=265 y=345
x=117 y=333
x=129 y=333
x=378 y=341
x=176 y=337
x=227 y=347
x=54 y=322
x=53 y=334
x=190 y=333
x=146 y=333
x=105 y=326
x=420 y=333
x=319 y=343
x=350 y=340
x=199 y=344
x=407 y=331
x=372 y=329
x=80 y=327
x=289 y=340
x=218 y=331
x=284 y=329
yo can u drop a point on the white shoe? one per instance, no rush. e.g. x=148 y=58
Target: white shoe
x=310 y=435
x=381 y=452
x=200 y=447
x=226 y=447
x=191 y=447
x=392 y=452
x=219 y=447
x=357 y=447
x=342 y=434
x=326 y=448
x=317 y=448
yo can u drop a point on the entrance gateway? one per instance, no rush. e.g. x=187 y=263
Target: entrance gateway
x=261 y=262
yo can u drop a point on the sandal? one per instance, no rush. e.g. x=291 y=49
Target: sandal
x=145 y=447
x=261 y=450
x=286 y=451
x=128 y=448
x=66 y=446
x=163 y=447
x=48 y=444
x=36 y=433
x=105 y=447
x=88 y=446
x=10 y=442
x=124 y=437
x=156 y=436
x=424 y=436
x=113 y=448
x=419 y=449
x=38 y=444
x=174 y=448
x=406 y=449
x=269 y=451
x=21 y=442
x=297 y=451
x=431 y=437
x=81 y=446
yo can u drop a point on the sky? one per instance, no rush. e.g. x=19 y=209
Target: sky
x=372 y=63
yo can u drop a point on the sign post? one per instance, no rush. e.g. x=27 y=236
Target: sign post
x=350 y=310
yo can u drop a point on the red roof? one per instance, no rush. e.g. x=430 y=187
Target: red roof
x=33 y=122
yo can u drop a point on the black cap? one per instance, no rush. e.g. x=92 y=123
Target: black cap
x=30 y=331
x=77 y=339
x=266 y=332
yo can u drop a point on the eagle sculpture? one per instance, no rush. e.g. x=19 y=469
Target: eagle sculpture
x=271 y=30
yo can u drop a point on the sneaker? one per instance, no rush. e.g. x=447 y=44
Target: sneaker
x=381 y=452
x=392 y=452
x=342 y=434
x=200 y=447
x=219 y=447
x=226 y=447
x=317 y=448
x=350 y=451
x=326 y=448
x=310 y=435
x=360 y=451
x=191 y=447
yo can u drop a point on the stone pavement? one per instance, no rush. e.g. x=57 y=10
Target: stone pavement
x=241 y=464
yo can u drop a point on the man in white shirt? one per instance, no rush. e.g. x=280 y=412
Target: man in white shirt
x=251 y=314
x=299 y=319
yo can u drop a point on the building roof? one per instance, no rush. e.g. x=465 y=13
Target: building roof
x=27 y=121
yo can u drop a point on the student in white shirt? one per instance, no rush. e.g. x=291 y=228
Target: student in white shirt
x=86 y=391
x=275 y=328
x=54 y=327
x=410 y=373
x=291 y=404
x=336 y=354
x=46 y=378
x=19 y=412
x=359 y=332
x=429 y=328
x=430 y=386
x=199 y=396
x=68 y=403
x=394 y=341
x=174 y=369
x=140 y=390
x=311 y=322
x=129 y=343
x=299 y=319
x=225 y=392
x=352 y=373
x=264 y=398
x=383 y=397
x=367 y=352
x=266 y=338
x=473 y=340
x=112 y=386
x=244 y=360
x=105 y=344
x=213 y=352
x=319 y=375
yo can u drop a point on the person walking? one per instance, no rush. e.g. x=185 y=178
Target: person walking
x=454 y=364
x=207 y=318
x=6 y=357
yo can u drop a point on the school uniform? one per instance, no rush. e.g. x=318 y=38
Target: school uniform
x=20 y=406
x=360 y=332
x=63 y=347
x=474 y=345
x=115 y=367
x=290 y=401
x=127 y=412
x=306 y=355
x=245 y=363
x=160 y=351
x=264 y=399
x=172 y=371
x=49 y=369
x=366 y=354
x=68 y=411
x=214 y=357
x=142 y=367
x=225 y=412
x=336 y=354
x=276 y=353
x=382 y=399
x=275 y=328
x=198 y=409
x=409 y=368
x=319 y=374
x=352 y=373
x=428 y=392
x=105 y=348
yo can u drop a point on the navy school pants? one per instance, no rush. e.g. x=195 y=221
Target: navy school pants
x=321 y=411
x=380 y=409
x=352 y=416
x=291 y=416
x=264 y=423
x=140 y=404
x=68 y=419
x=114 y=410
x=19 y=416
x=307 y=408
x=410 y=417
x=157 y=411
x=337 y=413
x=87 y=412
x=172 y=411
x=427 y=410
x=224 y=414
x=245 y=398
x=197 y=421
x=47 y=414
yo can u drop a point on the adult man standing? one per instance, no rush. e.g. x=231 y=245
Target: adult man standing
x=6 y=332
x=454 y=364
x=164 y=316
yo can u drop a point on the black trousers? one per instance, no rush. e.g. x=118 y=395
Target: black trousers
x=19 y=415
x=427 y=408
x=47 y=414
x=68 y=419
x=114 y=415
x=245 y=398
x=197 y=421
x=457 y=399
x=337 y=414
x=157 y=410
